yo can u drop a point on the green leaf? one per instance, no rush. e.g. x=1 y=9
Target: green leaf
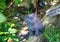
x=2 y=18
x=47 y=36
x=51 y=39
x=57 y=40
x=3 y=38
x=12 y=30
x=1 y=33
x=4 y=33
x=15 y=38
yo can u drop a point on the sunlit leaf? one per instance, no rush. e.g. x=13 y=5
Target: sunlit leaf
x=12 y=30
x=1 y=33
x=2 y=18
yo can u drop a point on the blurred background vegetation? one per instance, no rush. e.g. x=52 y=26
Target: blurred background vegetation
x=12 y=13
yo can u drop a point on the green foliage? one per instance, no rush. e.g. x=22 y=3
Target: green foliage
x=2 y=18
x=2 y=5
x=6 y=32
x=17 y=2
x=52 y=35
x=7 y=29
